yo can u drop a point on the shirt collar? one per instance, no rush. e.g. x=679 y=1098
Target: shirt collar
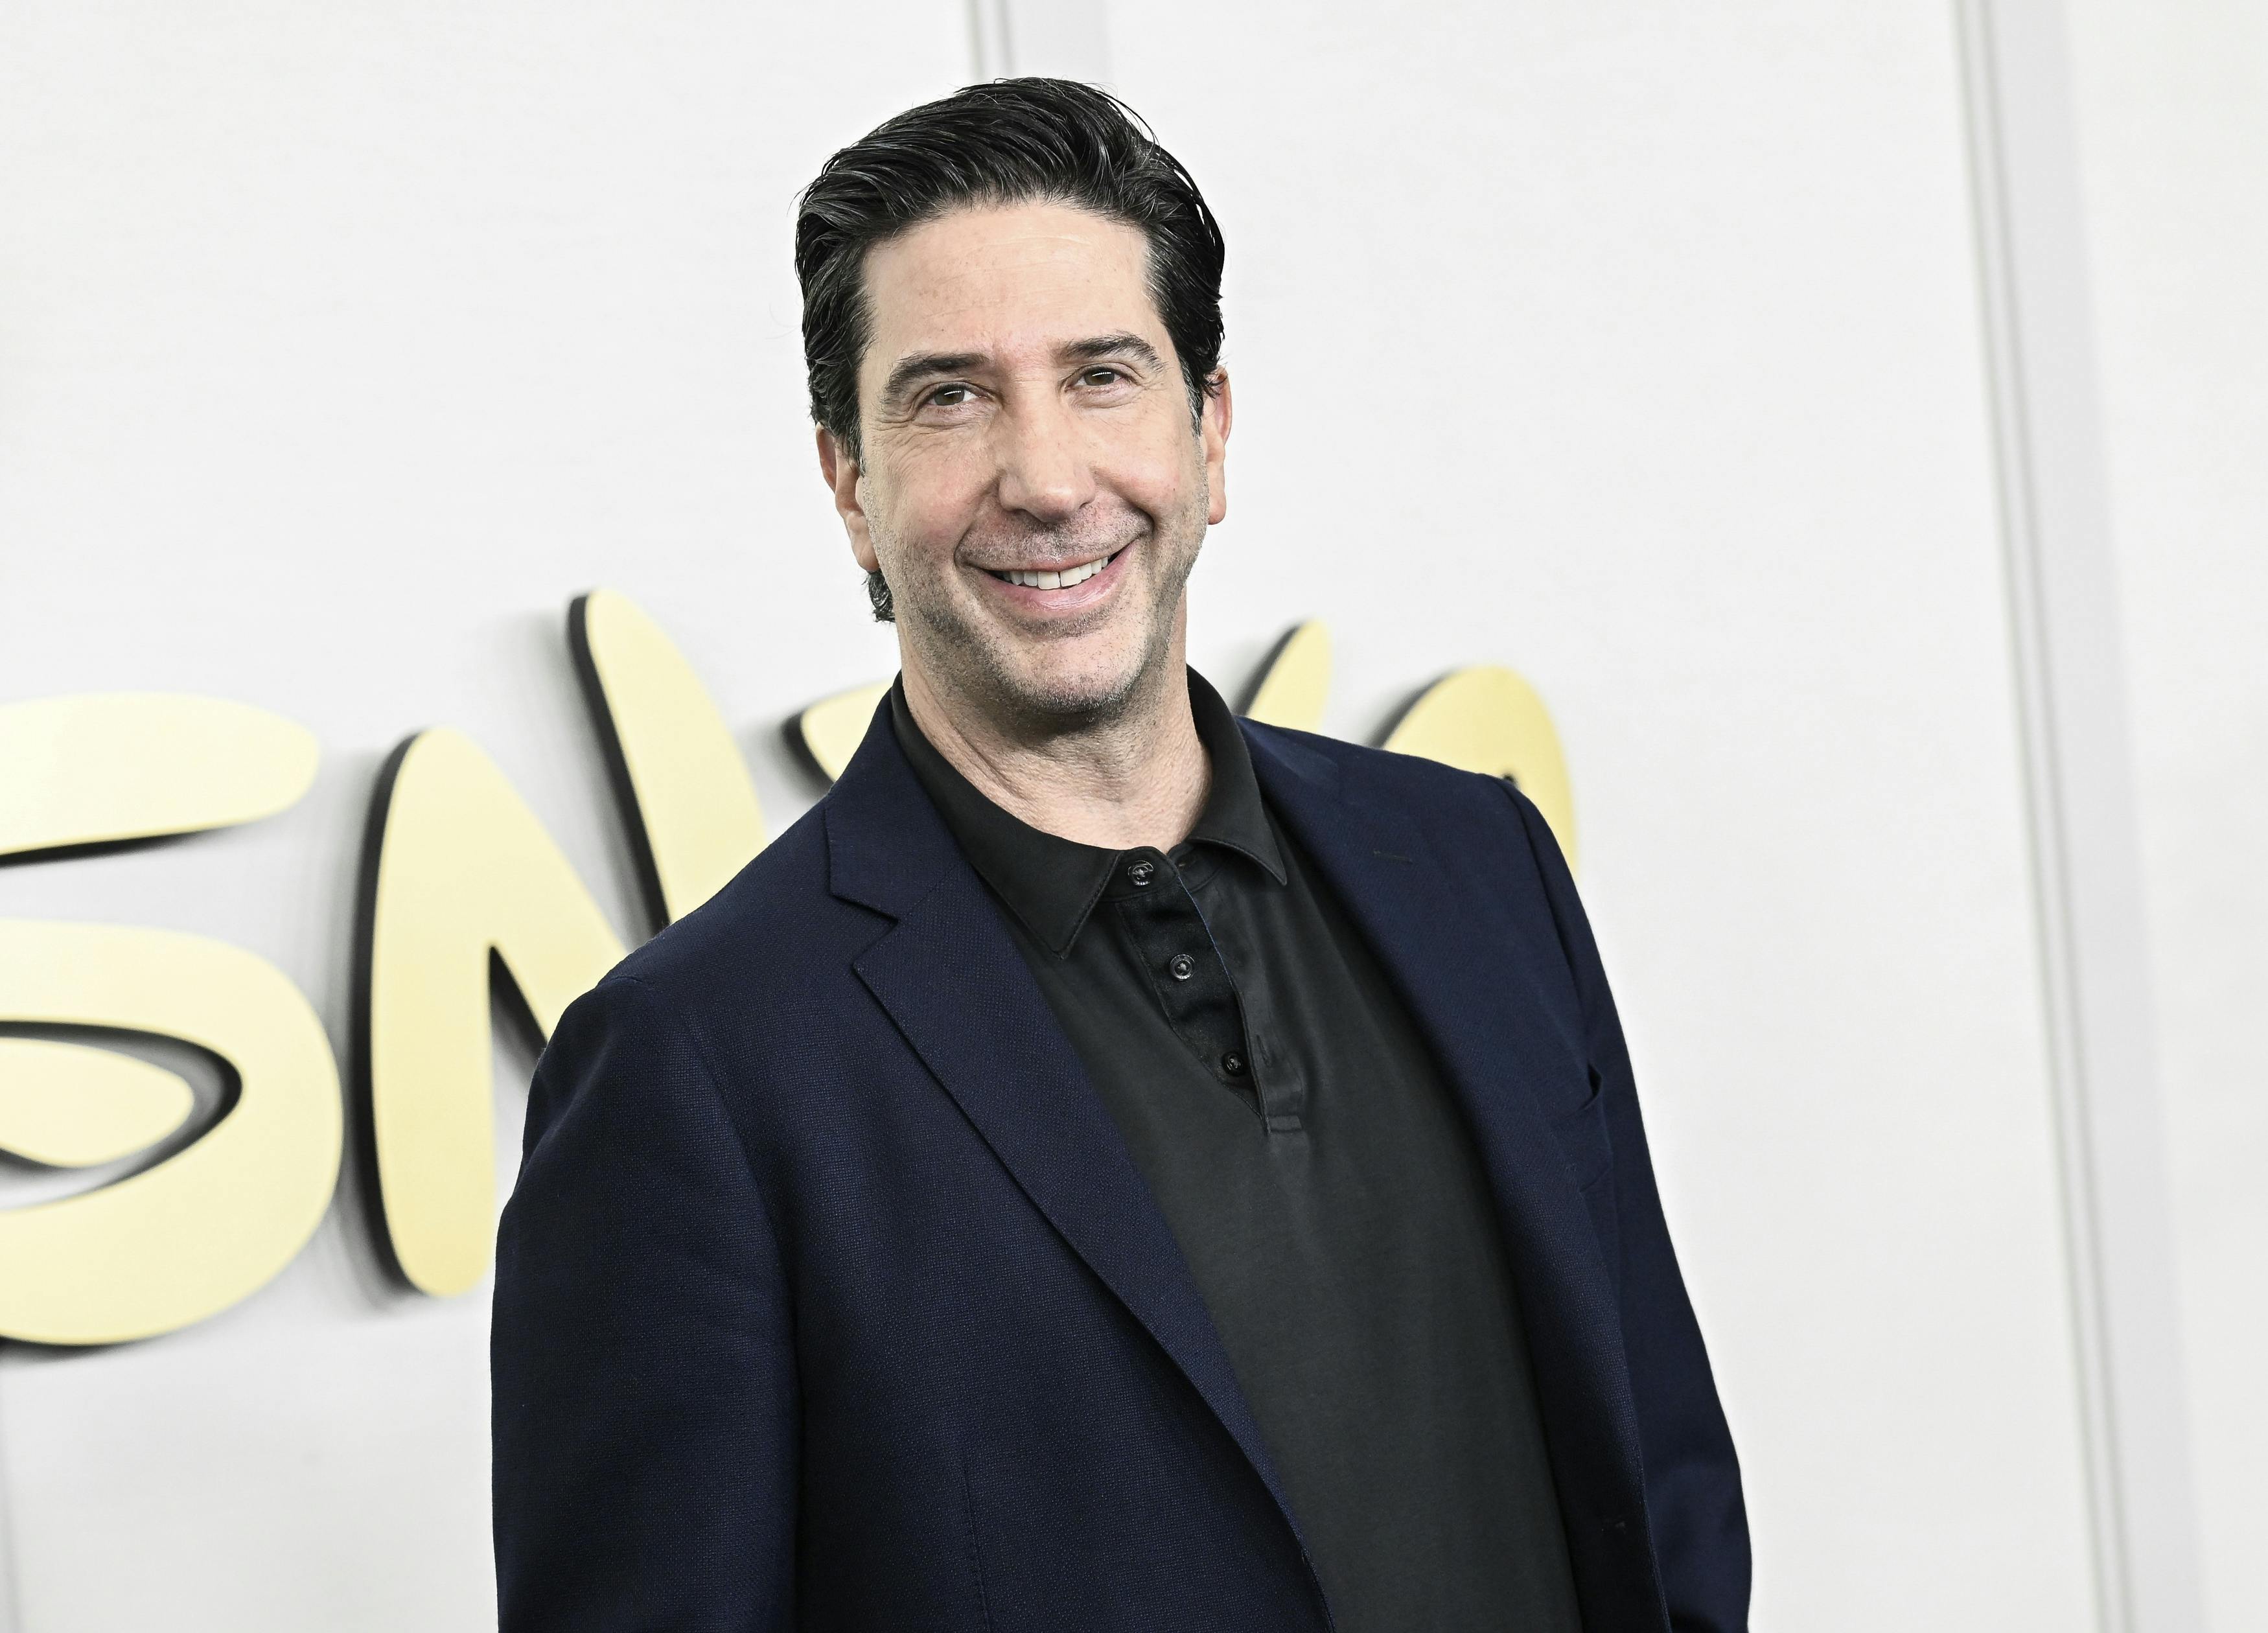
x=1050 y=883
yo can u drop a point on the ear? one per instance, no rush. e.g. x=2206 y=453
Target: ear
x=1212 y=431
x=841 y=472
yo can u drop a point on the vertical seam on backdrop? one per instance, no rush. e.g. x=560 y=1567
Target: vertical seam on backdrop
x=2014 y=489
x=2045 y=748
x=991 y=51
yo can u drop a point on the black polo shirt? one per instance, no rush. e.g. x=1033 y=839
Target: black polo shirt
x=1319 y=1178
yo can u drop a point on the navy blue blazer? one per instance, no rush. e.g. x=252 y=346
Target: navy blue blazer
x=830 y=1297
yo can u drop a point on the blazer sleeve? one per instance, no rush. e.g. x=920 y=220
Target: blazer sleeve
x=1693 y=1497
x=645 y=1409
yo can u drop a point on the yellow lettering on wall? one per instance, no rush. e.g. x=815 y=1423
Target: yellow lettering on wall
x=1491 y=721
x=90 y=771
x=67 y=1106
x=833 y=728
x=208 y=1226
x=684 y=791
x=457 y=867
x=457 y=871
x=1298 y=680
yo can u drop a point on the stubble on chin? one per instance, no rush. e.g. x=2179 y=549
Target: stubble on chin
x=966 y=657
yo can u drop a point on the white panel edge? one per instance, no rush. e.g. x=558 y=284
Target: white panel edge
x=2079 y=793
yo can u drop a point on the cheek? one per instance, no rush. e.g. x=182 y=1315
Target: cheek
x=927 y=503
x=1163 y=475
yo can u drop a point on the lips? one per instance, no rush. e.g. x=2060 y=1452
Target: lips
x=1053 y=578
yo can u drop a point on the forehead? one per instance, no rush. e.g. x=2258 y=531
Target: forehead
x=1002 y=278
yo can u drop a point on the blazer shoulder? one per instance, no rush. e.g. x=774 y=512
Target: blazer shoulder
x=768 y=928
x=1484 y=836
x=1389 y=784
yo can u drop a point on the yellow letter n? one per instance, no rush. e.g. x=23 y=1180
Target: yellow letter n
x=457 y=869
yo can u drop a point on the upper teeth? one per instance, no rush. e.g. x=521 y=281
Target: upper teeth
x=1063 y=580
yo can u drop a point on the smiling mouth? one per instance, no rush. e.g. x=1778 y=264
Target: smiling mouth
x=1060 y=579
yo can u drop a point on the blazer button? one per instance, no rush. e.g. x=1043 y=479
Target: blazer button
x=1232 y=1065
x=1182 y=966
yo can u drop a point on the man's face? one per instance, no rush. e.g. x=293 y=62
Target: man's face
x=1033 y=487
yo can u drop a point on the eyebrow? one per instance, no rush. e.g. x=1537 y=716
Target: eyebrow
x=924 y=365
x=1112 y=346
x=911 y=372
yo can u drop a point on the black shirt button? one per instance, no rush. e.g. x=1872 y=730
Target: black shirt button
x=1232 y=1065
x=1182 y=966
x=1141 y=874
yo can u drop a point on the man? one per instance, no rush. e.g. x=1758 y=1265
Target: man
x=1110 y=1166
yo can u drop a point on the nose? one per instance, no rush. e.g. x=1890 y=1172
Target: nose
x=1044 y=471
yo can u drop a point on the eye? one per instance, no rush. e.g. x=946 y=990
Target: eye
x=1100 y=375
x=949 y=397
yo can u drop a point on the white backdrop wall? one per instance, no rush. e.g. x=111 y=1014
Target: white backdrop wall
x=2173 y=105
x=1635 y=345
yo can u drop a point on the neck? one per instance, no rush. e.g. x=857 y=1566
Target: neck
x=1138 y=777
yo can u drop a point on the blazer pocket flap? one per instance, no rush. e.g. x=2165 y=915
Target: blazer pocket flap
x=1584 y=1145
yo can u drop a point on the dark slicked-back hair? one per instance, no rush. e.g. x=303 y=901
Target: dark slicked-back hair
x=1010 y=142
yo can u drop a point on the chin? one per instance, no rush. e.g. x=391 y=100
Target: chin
x=1071 y=691
x=1072 y=697
x=1067 y=678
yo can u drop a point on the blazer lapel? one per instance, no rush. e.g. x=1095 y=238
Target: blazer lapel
x=1458 y=960
x=954 y=982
